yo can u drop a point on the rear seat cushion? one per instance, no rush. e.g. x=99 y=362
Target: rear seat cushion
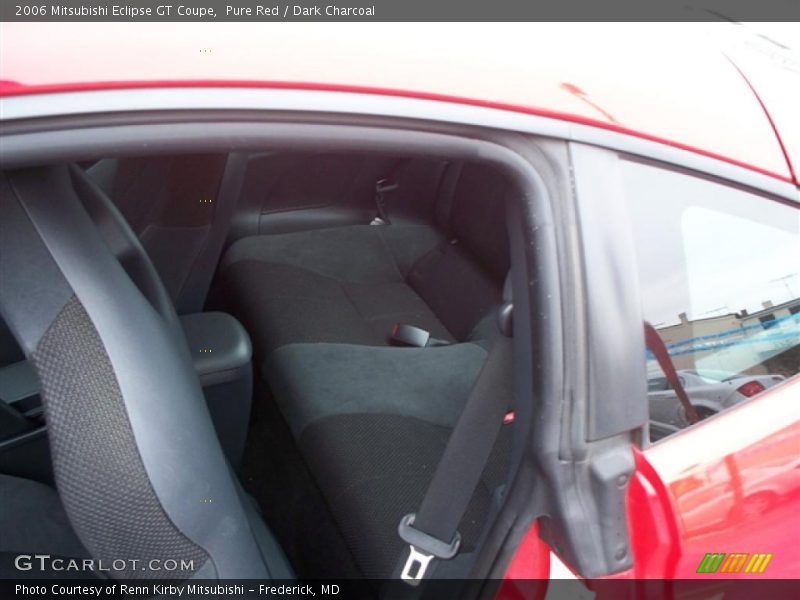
x=315 y=381
x=343 y=285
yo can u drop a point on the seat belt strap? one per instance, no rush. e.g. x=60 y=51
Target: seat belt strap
x=432 y=532
x=447 y=194
x=383 y=187
x=656 y=345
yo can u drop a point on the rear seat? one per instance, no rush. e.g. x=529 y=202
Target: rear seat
x=350 y=285
x=341 y=285
x=371 y=419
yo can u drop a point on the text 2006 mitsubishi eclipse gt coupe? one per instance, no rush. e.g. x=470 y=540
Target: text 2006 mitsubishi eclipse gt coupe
x=388 y=311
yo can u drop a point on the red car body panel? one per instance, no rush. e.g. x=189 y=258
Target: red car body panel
x=775 y=79
x=531 y=563
x=693 y=494
x=732 y=485
x=692 y=97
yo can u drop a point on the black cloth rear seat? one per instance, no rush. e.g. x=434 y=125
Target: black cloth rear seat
x=342 y=285
x=372 y=420
x=350 y=285
x=313 y=381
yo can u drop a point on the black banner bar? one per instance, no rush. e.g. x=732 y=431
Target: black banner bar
x=400 y=10
x=557 y=589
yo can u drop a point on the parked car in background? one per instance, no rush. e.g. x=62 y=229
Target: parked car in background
x=709 y=392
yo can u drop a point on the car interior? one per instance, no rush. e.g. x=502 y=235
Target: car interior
x=334 y=309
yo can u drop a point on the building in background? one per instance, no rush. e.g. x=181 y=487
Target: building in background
x=759 y=343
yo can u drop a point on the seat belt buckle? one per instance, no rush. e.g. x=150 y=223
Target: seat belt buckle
x=423 y=548
x=416 y=337
x=408 y=335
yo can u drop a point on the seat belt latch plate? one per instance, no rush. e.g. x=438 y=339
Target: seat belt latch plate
x=420 y=560
x=423 y=548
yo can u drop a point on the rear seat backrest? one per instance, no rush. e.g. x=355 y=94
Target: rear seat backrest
x=478 y=218
x=462 y=280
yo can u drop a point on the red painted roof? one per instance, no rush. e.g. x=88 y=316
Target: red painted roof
x=662 y=82
x=775 y=79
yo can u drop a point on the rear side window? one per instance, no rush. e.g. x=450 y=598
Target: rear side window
x=719 y=270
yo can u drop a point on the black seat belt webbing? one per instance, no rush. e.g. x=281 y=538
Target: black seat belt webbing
x=447 y=194
x=383 y=187
x=656 y=345
x=432 y=532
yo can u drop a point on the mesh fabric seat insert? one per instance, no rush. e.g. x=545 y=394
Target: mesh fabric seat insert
x=373 y=469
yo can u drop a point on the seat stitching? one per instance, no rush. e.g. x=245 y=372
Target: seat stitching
x=395 y=313
x=227 y=262
x=391 y=254
x=350 y=299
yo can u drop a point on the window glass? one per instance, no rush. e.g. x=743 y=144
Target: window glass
x=719 y=270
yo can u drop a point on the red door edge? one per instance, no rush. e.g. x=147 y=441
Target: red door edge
x=654 y=535
x=527 y=575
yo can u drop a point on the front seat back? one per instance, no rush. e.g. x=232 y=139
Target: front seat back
x=137 y=463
